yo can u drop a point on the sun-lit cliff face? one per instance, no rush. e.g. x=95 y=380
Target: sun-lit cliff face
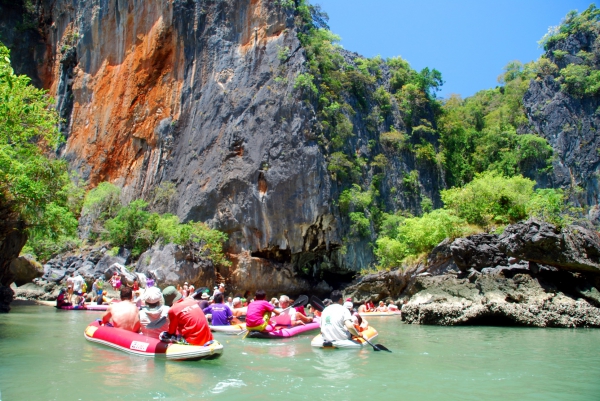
x=202 y=94
x=126 y=78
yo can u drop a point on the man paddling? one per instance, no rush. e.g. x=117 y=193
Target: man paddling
x=336 y=321
x=124 y=314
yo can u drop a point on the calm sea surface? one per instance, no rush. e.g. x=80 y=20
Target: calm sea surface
x=44 y=356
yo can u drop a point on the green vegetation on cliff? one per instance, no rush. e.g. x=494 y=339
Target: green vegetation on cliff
x=33 y=185
x=488 y=203
x=134 y=227
x=37 y=186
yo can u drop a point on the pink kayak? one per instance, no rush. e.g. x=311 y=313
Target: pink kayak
x=92 y=307
x=285 y=332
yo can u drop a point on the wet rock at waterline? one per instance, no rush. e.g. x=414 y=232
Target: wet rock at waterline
x=497 y=300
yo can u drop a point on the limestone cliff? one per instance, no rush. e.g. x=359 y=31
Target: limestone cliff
x=197 y=93
x=569 y=122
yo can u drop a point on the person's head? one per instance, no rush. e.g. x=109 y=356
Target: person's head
x=381 y=303
x=237 y=303
x=260 y=295
x=73 y=274
x=171 y=295
x=336 y=296
x=348 y=305
x=274 y=302
x=115 y=273
x=104 y=292
x=153 y=298
x=392 y=302
x=284 y=301
x=219 y=298
x=222 y=287
x=327 y=302
x=126 y=294
x=135 y=280
x=185 y=284
x=230 y=300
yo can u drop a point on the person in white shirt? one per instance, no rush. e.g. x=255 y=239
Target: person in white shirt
x=336 y=321
x=220 y=290
x=77 y=281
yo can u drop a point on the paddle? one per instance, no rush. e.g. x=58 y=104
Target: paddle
x=301 y=301
x=318 y=305
x=157 y=323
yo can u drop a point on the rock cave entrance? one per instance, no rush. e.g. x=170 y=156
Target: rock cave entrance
x=274 y=254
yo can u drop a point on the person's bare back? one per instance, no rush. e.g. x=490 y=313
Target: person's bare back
x=124 y=314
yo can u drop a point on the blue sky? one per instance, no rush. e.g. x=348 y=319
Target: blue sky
x=468 y=41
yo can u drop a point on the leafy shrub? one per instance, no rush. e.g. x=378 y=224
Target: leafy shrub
x=383 y=99
x=207 y=242
x=361 y=224
x=410 y=181
x=339 y=165
x=425 y=152
x=416 y=235
x=394 y=139
x=380 y=161
x=355 y=199
x=124 y=229
x=585 y=22
x=490 y=198
x=305 y=82
x=552 y=205
x=36 y=188
x=580 y=80
x=100 y=204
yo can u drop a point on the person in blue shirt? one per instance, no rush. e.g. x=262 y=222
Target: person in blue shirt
x=221 y=314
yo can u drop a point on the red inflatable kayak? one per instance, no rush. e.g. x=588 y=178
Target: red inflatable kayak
x=138 y=344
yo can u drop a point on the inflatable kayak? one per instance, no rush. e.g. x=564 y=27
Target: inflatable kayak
x=230 y=329
x=366 y=314
x=284 y=332
x=370 y=333
x=138 y=344
x=84 y=307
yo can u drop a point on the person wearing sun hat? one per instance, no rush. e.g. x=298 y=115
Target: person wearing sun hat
x=201 y=296
x=154 y=309
x=185 y=317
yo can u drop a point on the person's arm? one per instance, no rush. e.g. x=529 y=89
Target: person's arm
x=172 y=322
x=107 y=315
x=350 y=327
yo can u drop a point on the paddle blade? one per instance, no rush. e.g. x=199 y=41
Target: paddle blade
x=317 y=303
x=157 y=323
x=301 y=301
x=382 y=348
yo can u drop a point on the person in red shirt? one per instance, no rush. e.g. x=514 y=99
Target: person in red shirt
x=186 y=318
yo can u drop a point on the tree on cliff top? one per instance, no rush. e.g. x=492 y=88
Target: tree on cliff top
x=33 y=185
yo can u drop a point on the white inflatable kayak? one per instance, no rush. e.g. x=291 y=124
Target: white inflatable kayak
x=319 y=342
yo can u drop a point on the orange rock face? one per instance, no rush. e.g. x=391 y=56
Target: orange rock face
x=130 y=75
x=128 y=80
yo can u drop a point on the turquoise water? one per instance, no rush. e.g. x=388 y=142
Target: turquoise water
x=44 y=356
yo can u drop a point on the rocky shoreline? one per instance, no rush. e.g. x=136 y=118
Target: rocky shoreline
x=532 y=275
